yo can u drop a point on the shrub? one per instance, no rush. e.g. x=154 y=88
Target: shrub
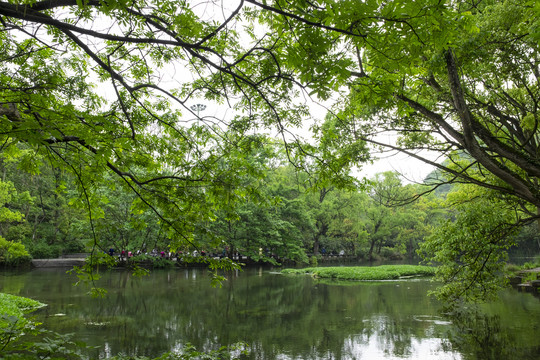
x=512 y=268
x=13 y=253
x=155 y=262
x=42 y=250
x=73 y=246
x=390 y=253
x=161 y=263
x=12 y=305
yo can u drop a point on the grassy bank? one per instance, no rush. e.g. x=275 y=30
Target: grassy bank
x=383 y=272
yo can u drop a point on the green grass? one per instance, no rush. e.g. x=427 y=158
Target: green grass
x=383 y=272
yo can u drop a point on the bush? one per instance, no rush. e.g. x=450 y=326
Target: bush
x=160 y=263
x=391 y=253
x=42 y=250
x=12 y=322
x=13 y=253
x=73 y=246
x=189 y=352
x=512 y=268
x=537 y=261
x=12 y=305
x=155 y=262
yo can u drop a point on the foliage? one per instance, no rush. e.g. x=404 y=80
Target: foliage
x=527 y=242
x=12 y=305
x=445 y=89
x=50 y=226
x=513 y=269
x=21 y=338
x=7 y=192
x=453 y=77
x=470 y=251
x=160 y=263
x=154 y=262
x=42 y=250
x=383 y=272
x=13 y=253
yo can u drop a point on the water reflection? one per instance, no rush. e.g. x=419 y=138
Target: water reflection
x=480 y=335
x=280 y=317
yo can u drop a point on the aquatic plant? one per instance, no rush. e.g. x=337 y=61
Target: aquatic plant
x=383 y=272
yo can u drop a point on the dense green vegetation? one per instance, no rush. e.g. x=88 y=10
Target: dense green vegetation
x=106 y=144
x=288 y=222
x=11 y=305
x=13 y=254
x=383 y=272
x=23 y=338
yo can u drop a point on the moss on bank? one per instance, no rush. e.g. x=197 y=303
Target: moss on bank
x=383 y=272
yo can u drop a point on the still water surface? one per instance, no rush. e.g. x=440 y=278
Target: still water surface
x=280 y=317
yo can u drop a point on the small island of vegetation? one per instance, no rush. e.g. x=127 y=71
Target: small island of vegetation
x=224 y=131
x=383 y=272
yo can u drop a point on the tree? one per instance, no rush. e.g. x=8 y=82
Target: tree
x=470 y=251
x=273 y=222
x=7 y=215
x=124 y=226
x=390 y=220
x=453 y=78
x=450 y=77
x=56 y=67
x=12 y=253
x=347 y=228
x=51 y=225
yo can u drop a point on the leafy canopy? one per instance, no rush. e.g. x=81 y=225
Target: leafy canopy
x=98 y=87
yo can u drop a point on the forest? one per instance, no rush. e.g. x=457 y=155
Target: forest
x=104 y=144
x=289 y=221
x=230 y=132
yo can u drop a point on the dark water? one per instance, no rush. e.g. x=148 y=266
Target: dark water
x=280 y=317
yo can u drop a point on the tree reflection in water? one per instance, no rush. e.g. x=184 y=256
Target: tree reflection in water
x=478 y=335
x=280 y=317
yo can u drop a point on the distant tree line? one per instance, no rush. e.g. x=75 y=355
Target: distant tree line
x=290 y=217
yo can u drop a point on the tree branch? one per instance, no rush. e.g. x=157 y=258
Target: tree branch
x=303 y=20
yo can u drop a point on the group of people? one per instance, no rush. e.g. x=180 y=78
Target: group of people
x=124 y=254
x=178 y=255
x=169 y=255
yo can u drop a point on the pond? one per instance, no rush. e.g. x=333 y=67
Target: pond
x=280 y=317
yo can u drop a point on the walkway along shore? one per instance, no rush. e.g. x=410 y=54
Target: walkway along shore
x=70 y=260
